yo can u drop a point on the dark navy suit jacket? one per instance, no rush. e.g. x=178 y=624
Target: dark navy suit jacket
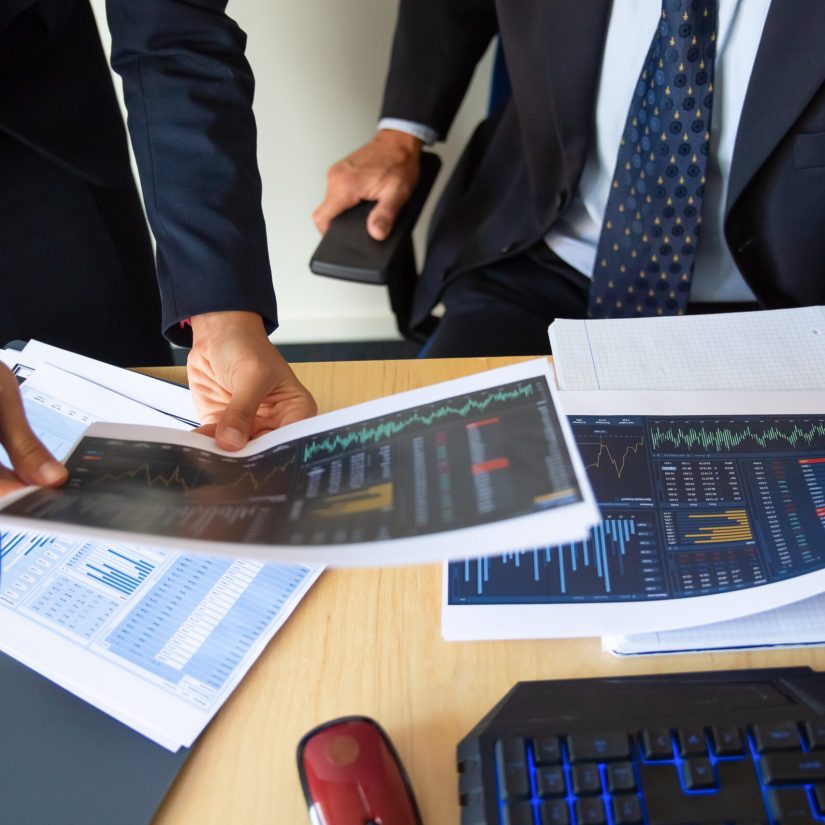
x=188 y=89
x=523 y=163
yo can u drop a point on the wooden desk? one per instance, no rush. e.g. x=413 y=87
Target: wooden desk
x=369 y=642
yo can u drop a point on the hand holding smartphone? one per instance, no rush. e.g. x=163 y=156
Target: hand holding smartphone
x=347 y=251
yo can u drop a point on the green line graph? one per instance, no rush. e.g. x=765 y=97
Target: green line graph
x=726 y=439
x=373 y=433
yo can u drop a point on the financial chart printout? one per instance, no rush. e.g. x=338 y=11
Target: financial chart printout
x=691 y=506
x=463 y=461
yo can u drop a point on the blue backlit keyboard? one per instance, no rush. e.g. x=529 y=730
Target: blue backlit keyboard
x=725 y=747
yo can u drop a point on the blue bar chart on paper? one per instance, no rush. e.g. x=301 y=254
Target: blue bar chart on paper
x=690 y=505
x=183 y=622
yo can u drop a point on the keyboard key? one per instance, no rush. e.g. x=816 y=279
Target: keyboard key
x=698 y=774
x=692 y=742
x=727 y=740
x=792 y=768
x=738 y=798
x=815 y=734
x=598 y=747
x=819 y=799
x=779 y=736
x=590 y=811
x=657 y=744
x=627 y=810
x=550 y=781
x=620 y=777
x=791 y=806
x=586 y=780
x=547 y=750
x=511 y=766
x=554 y=812
x=519 y=813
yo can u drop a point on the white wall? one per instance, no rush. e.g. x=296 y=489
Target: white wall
x=320 y=68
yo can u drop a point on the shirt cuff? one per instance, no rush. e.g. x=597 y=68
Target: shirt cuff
x=419 y=130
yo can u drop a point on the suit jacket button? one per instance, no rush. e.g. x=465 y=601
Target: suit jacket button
x=507 y=247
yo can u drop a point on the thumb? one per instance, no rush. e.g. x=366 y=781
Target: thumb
x=385 y=212
x=234 y=428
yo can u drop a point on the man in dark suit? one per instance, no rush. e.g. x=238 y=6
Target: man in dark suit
x=520 y=230
x=71 y=217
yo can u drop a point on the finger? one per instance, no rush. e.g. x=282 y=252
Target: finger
x=383 y=215
x=206 y=429
x=338 y=199
x=9 y=482
x=31 y=461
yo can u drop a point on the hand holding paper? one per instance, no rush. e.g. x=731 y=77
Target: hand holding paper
x=31 y=461
x=240 y=383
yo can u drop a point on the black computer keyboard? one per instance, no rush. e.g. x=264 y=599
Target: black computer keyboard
x=726 y=747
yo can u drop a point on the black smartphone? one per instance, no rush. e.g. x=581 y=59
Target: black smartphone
x=347 y=251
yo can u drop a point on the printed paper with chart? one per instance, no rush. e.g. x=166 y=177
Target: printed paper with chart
x=408 y=478
x=713 y=507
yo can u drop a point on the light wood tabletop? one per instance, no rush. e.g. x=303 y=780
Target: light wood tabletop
x=368 y=641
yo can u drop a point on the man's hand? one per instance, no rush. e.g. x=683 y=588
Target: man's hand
x=31 y=462
x=240 y=383
x=384 y=170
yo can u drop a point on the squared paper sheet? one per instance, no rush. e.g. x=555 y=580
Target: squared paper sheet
x=801 y=623
x=770 y=350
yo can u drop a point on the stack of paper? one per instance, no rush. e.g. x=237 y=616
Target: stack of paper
x=156 y=638
x=713 y=503
x=798 y=624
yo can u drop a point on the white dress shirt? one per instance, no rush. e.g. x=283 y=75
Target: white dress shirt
x=575 y=236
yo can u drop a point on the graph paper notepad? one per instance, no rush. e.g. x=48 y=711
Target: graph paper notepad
x=772 y=350
x=801 y=623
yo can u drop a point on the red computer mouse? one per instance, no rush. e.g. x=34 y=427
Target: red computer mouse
x=352 y=775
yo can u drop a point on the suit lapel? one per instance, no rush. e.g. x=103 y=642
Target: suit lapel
x=566 y=40
x=789 y=68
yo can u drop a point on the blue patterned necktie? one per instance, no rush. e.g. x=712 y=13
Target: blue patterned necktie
x=647 y=246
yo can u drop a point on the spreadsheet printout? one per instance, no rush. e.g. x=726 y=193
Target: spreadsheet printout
x=156 y=638
x=769 y=350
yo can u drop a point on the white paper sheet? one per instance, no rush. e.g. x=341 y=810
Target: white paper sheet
x=771 y=350
x=596 y=614
x=172 y=400
x=801 y=624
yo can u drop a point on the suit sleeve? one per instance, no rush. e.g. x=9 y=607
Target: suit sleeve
x=188 y=90
x=436 y=48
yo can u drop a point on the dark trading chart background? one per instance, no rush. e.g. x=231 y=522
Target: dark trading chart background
x=465 y=461
x=691 y=506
